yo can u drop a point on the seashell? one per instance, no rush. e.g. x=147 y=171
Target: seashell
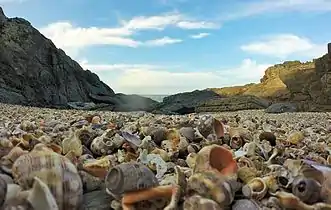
x=158 y=134
x=244 y=161
x=326 y=188
x=127 y=177
x=85 y=135
x=269 y=136
x=193 y=148
x=209 y=125
x=98 y=168
x=246 y=174
x=5 y=147
x=133 y=139
x=249 y=148
x=255 y=189
x=107 y=143
x=96 y=119
x=198 y=202
x=154 y=162
x=42 y=162
x=306 y=189
x=174 y=137
x=210 y=184
x=131 y=198
x=56 y=148
x=39 y=196
x=163 y=154
x=3 y=190
x=188 y=133
x=7 y=161
x=72 y=143
x=290 y=201
x=236 y=140
x=90 y=182
x=191 y=160
x=218 y=158
x=295 y=137
x=245 y=204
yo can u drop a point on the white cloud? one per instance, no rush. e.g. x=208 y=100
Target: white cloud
x=151 y=79
x=267 y=6
x=162 y=41
x=197 y=25
x=200 y=35
x=71 y=38
x=160 y=22
x=284 y=45
x=152 y=22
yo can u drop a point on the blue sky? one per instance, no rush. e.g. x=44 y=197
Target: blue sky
x=170 y=46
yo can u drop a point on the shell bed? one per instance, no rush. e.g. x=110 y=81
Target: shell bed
x=245 y=160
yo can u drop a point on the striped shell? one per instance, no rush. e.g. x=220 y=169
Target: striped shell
x=56 y=171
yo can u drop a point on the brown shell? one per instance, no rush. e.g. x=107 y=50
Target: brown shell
x=198 y=202
x=56 y=171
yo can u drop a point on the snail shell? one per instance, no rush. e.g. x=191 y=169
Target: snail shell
x=65 y=182
x=255 y=189
x=188 y=133
x=209 y=125
x=127 y=177
x=269 y=136
x=107 y=143
x=307 y=189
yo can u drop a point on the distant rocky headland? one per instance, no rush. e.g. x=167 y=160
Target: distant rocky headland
x=34 y=72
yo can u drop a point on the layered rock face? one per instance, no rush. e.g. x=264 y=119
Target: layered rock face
x=34 y=72
x=307 y=85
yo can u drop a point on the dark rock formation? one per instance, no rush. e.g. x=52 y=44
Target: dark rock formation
x=34 y=72
x=184 y=103
x=234 y=103
x=281 y=108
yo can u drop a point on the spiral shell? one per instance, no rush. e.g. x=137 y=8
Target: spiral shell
x=256 y=189
x=107 y=143
x=56 y=171
x=209 y=125
x=128 y=177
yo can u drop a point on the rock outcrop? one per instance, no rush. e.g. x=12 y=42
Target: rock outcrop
x=184 y=103
x=234 y=103
x=34 y=72
x=290 y=86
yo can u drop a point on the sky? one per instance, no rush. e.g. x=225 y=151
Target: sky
x=170 y=46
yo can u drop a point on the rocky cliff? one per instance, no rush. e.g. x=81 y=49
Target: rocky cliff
x=303 y=85
x=34 y=72
x=307 y=84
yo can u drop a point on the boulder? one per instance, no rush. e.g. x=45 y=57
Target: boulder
x=281 y=108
